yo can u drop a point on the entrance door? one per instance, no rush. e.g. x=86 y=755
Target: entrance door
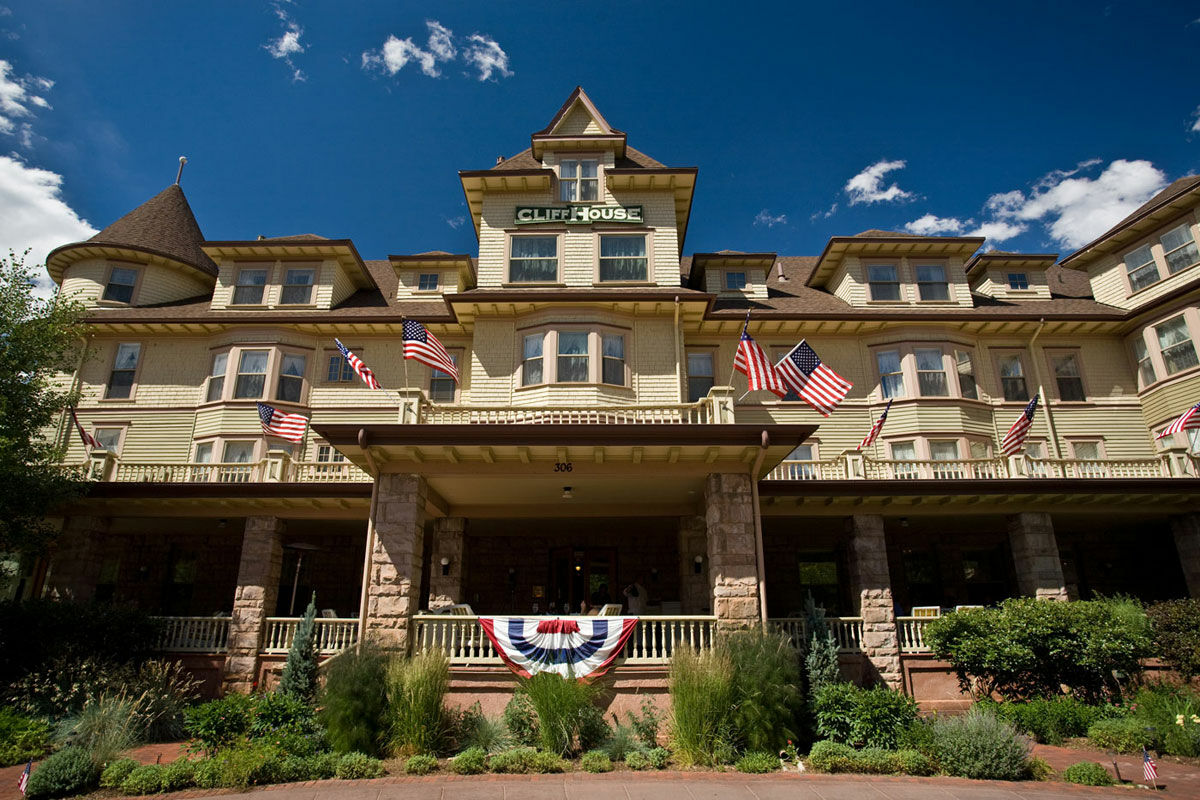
x=582 y=573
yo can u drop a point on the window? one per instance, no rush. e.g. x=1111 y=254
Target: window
x=291 y=378
x=623 y=258
x=120 y=380
x=120 y=285
x=204 y=452
x=577 y=180
x=1145 y=366
x=1012 y=377
x=238 y=452
x=1089 y=450
x=216 y=377
x=531 y=362
x=883 y=282
x=1179 y=249
x=340 y=370
x=966 y=374
x=109 y=438
x=297 y=287
x=572 y=357
x=891 y=376
x=329 y=461
x=1066 y=375
x=427 y=282
x=1178 y=353
x=931 y=372
x=442 y=388
x=1018 y=280
x=791 y=471
x=1140 y=267
x=534 y=259
x=735 y=281
x=700 y=375
x=249 y=288
x=904 y=452
x=931 y=282
x=945 y=450
x=612 y=367
x=251 y=375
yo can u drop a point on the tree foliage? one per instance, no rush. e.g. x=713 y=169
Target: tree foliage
x=300 y=672
x=40 y=340
x=1177 y=634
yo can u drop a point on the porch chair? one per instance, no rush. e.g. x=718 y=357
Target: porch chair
x=927 y=611
x=610 y=610
x=457 y=610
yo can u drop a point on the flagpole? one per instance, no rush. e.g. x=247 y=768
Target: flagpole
x=733 y=366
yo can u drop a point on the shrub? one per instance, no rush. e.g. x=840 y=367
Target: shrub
x=299 y=678
x=106 y=727
x=595 y=761
x=1039 y=769
x=701 y=688
x=758 y=762
x=1087 y=773
x=827 y=756
x=917 y=736
x=354 y=702
x=416 y=688
x=914 y=762
x=645 y=724
x=979 y=745
x=517 y=761
x=622 y=743
x=116 y=772
x=821 y=660
x=1027 y=648
x=68 y=772
x=659 y=757
x=1171 y=712
x=420 y=765
x=875 y=717
x=277 y=715
x=521 y=719
x=766 y=689
x=1123 y=735
x=1050 y=721
x=209 y=773
x=322 y=766
x=179 y=774
x=293 y=768
x=21 y=738
x=833 y=707
x=637 y=761
x=471 y=761
x=219 y=723
x=566 y=714
x=547 y=763
x=249 y=764
x=146 y=779
x=487 y=733
x=352 y=766
x=163 y=690
x=1176 y=625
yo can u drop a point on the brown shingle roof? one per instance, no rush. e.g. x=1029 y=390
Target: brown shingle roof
x=165 y=225
x=875 y=233
x=299 y=237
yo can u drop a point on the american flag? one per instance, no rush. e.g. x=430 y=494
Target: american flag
x=360 y=369
x=754 y=364
x=1149 y=771
x=801 y=371
x=873 y=434
x=285 y=426
x=423 y=346
x=23 y=781
x=1188 y=419
x=89 y=441
x=1014 y=440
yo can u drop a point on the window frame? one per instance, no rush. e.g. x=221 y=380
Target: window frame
x=919 y=372
x=711 y=352
x=511 y=237
x=346 y=373
x=1187 y=226
x=120 y=427
x=998 y=354
x=133 y=381
x=281 y=356
x=133 y=288
x=883 y=392
x=267 y=269
x=1020 y=277
x=422 y=288
x=559 y=355
x=208 y=382
x=910 y=375
x=314 y=269
x=1052 y=354
x=549 y=335
x=898 y=282
x=1183 y=316
x=725 y=287
x=577 y=180
x=1128 y=273
x=603 y=357
x=1140 y=364
x=647 y=245
x=272 y=375
x=916 y=267
x=456 y=355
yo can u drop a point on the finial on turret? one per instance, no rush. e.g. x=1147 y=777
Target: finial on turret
x=178 y=175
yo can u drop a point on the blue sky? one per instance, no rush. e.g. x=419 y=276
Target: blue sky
x=1038 y=124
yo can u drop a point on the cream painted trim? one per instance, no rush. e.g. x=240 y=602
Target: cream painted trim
x=275 y=354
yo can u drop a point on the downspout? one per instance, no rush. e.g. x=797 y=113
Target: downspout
x=366 y=575
x=760 y=560
x=1037 y=372
x=679 y=357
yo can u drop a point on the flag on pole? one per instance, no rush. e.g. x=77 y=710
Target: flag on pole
x=1188 y=419
x=873 y=434
x=754 y=364
x=1149 y=771
x=360 y=369
x=23 y=781
x=89 y=441
x=423 y=346
x=285 y=426
x=801 y=371
x=1014 y=440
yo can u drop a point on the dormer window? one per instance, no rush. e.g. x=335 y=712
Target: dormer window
x=931 y=282
x=427 y=282
x=1018 y=281
x=119 y=288
x=297 y=287
x=623 y=258
x=735 y=281
x=884 y=283
x=578 y=180
x=250 y=286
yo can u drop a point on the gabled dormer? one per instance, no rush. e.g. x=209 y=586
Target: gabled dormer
x=432 y=275
x=729 y=273
x=288 y=272
x=578 y=127
x=1011 y=276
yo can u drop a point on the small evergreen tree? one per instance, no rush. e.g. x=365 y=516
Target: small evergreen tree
x=300 y=673
x=821 y=661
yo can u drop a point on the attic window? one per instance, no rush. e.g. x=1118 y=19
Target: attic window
x=578 y=181
x=427 y=282
x=735 y=281
x=250 y=286
x=1018 y=280
x=120 y=285
x=297 y=287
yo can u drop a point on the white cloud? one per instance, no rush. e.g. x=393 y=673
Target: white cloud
x=1196 y=120
x=288 y=44
x=16 y=98
x=1076 y=209
x=867 y=186
x=998 y=231
x=816 y=215
x=441 y=41
x=765 y=217
x=33 y=214
x=487 y=56
x=456 y=222
x=397 y=53
x=931 y=225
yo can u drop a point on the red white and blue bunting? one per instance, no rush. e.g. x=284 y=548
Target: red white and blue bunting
x=573 y=648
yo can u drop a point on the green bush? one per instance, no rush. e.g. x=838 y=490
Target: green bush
x=875 y=717
x=277 y=715
x=219 y=723
x=179 y=774
x=645 y=724
x=420 y=765
x=1170 y=711
x=979 y=745
x=829 y=756
x=116 y=772
x=595 y=761
x=1039 y=769
x=757 y=763
x=68 y=772
x=1176 y=625
x=354 y=701
x=21 y=738
x=416 y=688
x=917 y=736
x=164 y=689
x=702 y=699
x=473 y=729
x=622 y=743
x=1122 y=735
x=568 y=720
x=548 y=763
x=1052 y=720
x=659 y=757
x=637 y=761
x=322 y=766
x=1087 y=773
x=353 y=766
x=766 y=689
x=209 y=773
x=1027 y=648
x=821 y=659
x=517 y=761
x=249 y=764
x=471 y=761
x=293 y=768
x=914 y=762
x=299 y=679
x=146 y=779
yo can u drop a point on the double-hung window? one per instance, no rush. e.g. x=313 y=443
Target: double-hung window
x=1018 y=280
x=251 y=375
x=1175 y=344
x=701 y=375
x=291 y=378
x=531 y=360
x=931 y=372
x=891 y=373
x=427 y=282
x=1179 y=248
x=572 y=357
x=1140 y=267
x=1067 y=377
x=340 y=370
x=945 y=450
x=442 y=387
x=578 y=181
x=884 y=282
x=109 y=438
x=966 y=374
x=120 y=380
x=119 y=288
x=216 y=377
x=735 y=281
x=1144 y=364
x=623 y=257
x=612 y=367
x=931 y=282
x=1012 y=377
x=297 y=287
x=533 y=259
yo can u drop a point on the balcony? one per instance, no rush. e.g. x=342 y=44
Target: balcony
x=211 y=634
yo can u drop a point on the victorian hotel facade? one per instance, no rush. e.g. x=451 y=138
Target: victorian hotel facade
x=598 y=437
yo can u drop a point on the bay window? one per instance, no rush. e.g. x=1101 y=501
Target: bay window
x=966 y=374
x=238 y=452
x=1175 y=344
x=531 y=363
x=216 y=377
x=1012 y=377
x=251 y=375
x=554 y=356
x=251 y=283
x=578 y=180
x=297 y=287
x=623 y=257
x=700 y=374
x=572 y=357
x=612 y=368
x=120 y=380
x=119 y=288
x=891 y=375
x=931 y=372
x=290 y=387
x=1145 y=365
x=883 y=281
x=1179 y=248
x=931 y=282
x=533 y=259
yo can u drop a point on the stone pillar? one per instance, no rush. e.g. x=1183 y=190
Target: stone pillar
x=1187 y=541
x=871 y=582
x=254 y=600
x=694 y=594
x=76 y=560
x=399 y=526
x=445 y=582
x=1035 y=553
x=732 y=565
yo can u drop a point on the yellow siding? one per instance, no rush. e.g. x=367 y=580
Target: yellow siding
x=1168 y=399
x=577 y=121
x=156 y=284
x=1109 y=284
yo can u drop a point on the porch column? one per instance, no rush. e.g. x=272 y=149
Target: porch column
x=76 y=560
x=399 y=526
x=445 y=582
x=694 y=595
x=254 y=600
x=732 y=565
x=1035 y=554
x=871 y=582
x=1187 y=541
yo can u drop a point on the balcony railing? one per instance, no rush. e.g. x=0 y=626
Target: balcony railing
x=911 y=633
x=332 y=635
x=211 y=634
x=194 y=634
x=142 y=472
x=847 y=632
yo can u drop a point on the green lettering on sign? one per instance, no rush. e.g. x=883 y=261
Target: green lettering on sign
x=577 y=215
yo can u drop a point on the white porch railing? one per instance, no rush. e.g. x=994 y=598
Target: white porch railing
x=328 y=472
x=1092 y=468
x=333 y=635
x=194 y=634
x=686 y=414
x=142 y=472
x=809 y=471
x=846 y=631
x=911 y=633
x=959 y=469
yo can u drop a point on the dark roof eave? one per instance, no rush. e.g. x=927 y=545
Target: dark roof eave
x=977 y=240
x=210 y=272
x=583 y=434
x=976 y=260
x=931 y=316
x=666 y=294
x=652 y=171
